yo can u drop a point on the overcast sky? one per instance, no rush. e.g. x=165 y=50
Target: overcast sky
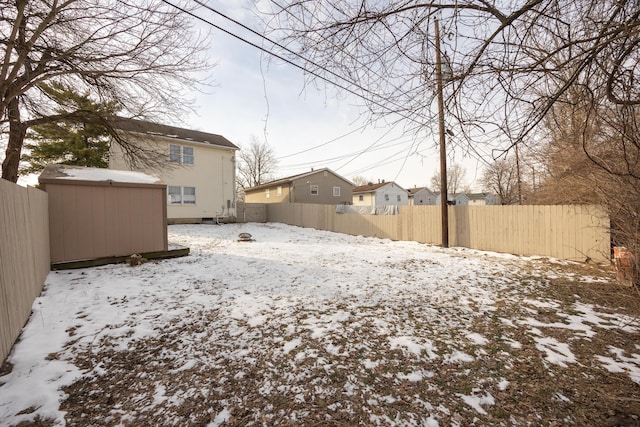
x=254 y=97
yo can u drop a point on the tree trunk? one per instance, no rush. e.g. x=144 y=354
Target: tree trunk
x=17 y=132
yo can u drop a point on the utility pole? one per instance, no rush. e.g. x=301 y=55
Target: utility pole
x=518 y=173
x=444 y=194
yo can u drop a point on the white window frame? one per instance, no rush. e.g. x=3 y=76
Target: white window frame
x=313 y=187
x=336 y=191
x=175 y=153
x=188 y=159
x=279 y=190
x=187 y=197
x=178 y=195
x=174 y=194
x=182 y=154
x=267 y=193
x=399 y=198
x=386 y=197
x=360 y=198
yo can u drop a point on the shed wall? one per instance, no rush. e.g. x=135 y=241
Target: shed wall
x=94 y=221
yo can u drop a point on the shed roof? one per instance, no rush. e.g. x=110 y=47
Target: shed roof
x=70 y=173
x=150 y=128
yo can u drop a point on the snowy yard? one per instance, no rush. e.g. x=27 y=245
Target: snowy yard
x=304 y=327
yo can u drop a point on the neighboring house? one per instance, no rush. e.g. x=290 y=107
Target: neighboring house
x=199 y=169
x=482 y=199
x=381 y=194
x=454 y=199
x=421 y=196
x=321 y=186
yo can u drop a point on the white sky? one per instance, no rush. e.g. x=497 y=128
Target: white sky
x=253 y=96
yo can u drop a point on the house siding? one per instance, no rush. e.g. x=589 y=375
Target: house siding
x=298 y=190
x=212 y=174
x=424 y=197
x=260 y=196
x=368 y=199
x=378 y=197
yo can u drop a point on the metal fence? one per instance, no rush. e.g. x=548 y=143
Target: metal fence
x=576 y=232
x=24 y=257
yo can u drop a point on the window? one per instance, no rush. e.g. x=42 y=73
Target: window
x=187 y=155
x=174 y=153
x=267 y=193
x=279 y=191
x=336 y=191
x=175 y=195
x=189 y=195
x=314 y=190
x=360 y=198
x=399 y=198
x=386 y=197
x=181 y=195
x=180 y=154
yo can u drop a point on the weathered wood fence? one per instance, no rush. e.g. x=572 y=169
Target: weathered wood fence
x=24 y=257
x=574 y=233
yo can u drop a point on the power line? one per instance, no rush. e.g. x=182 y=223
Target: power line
x=304 y=69
x=324 y=143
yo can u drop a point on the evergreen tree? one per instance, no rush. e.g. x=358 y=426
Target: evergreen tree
x=81 y=141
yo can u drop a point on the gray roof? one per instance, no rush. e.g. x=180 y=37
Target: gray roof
x=150 y=128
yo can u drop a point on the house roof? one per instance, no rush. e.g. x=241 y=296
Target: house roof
x=477 y=196
x=292 y=178
x=150 y=128
x=369 y=188
x=414 y=190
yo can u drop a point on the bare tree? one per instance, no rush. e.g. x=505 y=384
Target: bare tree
x=455 y=179
x=257 y=164
x=360 y=180
x=501 y=178
x=592 y=157
x=508 y=59
x=140 y=54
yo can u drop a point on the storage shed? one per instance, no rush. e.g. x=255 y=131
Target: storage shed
x=101 y=213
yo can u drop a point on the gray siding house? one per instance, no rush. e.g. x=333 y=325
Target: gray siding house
x=322 y=186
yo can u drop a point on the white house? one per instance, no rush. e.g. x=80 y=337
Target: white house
x=458 y=199
x=199 y=168
x=422 y=196
x=482 y=199
x=381 y=194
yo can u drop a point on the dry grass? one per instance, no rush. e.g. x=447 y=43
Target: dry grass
x=364 y=381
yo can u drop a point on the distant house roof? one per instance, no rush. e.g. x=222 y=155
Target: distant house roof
x=292 y=178
x=150 y=128
x=414 y=190
x=477 y=196
x=368 y=188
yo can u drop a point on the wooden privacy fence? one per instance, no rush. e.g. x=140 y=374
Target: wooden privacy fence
x=576 y=233
x=24 y=257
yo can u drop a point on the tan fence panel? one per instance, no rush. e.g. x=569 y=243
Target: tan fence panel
x=251 y=212
x=24 y=257
x=573 y=233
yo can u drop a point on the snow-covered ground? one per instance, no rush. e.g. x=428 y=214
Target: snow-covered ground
x=301 y=327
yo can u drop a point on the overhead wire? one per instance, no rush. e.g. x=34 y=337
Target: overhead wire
x=311 y=72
